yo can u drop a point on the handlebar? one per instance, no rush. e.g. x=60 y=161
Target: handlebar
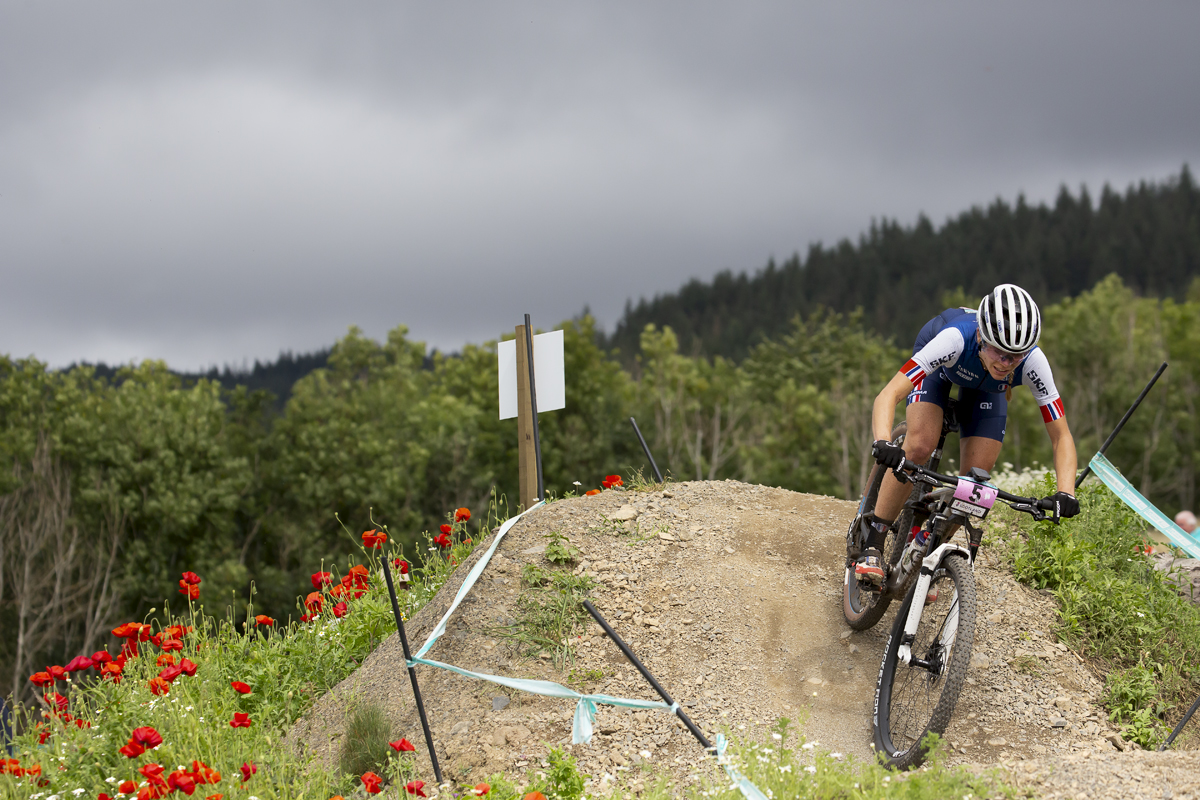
x=1030 y=505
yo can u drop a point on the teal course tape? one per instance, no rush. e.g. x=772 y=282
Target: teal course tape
x=1114 y=480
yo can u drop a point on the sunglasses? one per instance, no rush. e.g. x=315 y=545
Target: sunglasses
x=1005 y=357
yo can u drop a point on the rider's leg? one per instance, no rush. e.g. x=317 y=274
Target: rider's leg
x=924 y=430
x=979 y=451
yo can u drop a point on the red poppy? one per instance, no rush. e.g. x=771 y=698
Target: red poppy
x=104 y=796
x=247 y=768
x=442 y=540
x=320 y=579
x=146 y=736
x=373 y=539
x=159 y=686
x=176 y=631
x=403 y=746
x=535 y=796
x=127 y=787
x=240 y=720
x=202 y=773
x=169 y=674
x=340 y=610
x=44 y=735
x=481 y=789
x=82 y=723
x=58 y=673
x=78 y=664
x=131 y=750
x=56 y=700
x=192 y=578
x=182 y=782
x=447 y=528
x=416 y=787
x=401 y=565
x=153 y=772
x=263 y=619
x=591 y=492
x=314 y=601
x=100 y=657
x=165 y=660
x=611 y=480
x=189 y=667
x=42 y=679
x=462 y=514
x=371 y=782
x=172 y=644
x=191 y=590
x=359 y=574
x=111 y=671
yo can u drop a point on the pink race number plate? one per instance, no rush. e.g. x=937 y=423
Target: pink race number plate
x=974 y=498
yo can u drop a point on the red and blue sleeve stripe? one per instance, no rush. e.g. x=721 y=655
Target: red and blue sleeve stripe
x=1053 y=410
x=912 y=370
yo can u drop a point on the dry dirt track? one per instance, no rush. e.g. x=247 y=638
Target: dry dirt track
x=731 y=594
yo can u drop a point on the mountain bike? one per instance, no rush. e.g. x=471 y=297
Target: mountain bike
x=929 y=649
x=864 y=604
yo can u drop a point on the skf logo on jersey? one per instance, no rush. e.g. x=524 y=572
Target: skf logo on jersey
x=1053 y=411
x=1038 y=383
x=946 y=359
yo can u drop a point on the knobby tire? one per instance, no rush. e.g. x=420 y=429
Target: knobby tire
x=911 y=701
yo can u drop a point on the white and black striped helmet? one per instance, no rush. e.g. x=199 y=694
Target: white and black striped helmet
x=1009 y=319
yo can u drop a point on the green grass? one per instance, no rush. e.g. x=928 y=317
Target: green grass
x=549 y=612
x=1115 y=609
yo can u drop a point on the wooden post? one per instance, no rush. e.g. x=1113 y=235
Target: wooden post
x=527 y=454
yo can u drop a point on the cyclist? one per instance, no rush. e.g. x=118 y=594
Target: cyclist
x=985 y=351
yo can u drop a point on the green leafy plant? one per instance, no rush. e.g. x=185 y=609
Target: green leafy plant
x=559 y=549
x=562 y=780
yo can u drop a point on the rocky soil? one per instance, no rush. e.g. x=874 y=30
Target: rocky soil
x=731 y=594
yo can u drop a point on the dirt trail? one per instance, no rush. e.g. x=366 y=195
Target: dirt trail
x=731 y=594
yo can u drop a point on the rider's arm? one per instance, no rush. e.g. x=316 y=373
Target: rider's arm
x=884 y=413
x=1065 y=462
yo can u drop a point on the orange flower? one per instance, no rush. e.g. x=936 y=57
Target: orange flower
x=190 y=589
x=165 y=660
x=263 y=619
x=42 y=679
x=462 y=514
x=314 y=601
x=159 y=686
x=481 y=789
x=372 y=782
x=610 y=481
x=591 y=492
x=535 y=796
x=373 y=540
x=58 y=672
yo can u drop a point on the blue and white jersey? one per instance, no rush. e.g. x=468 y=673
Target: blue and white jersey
x=954 y=352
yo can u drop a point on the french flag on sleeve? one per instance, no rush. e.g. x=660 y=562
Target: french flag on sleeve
x=912 y=370
x=1053 y=410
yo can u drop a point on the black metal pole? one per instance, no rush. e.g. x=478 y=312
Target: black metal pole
x=1087 y=470
x=1179 y=727
x=691 y=726
x=646 y=447
x=412 y=671
x=537 y=441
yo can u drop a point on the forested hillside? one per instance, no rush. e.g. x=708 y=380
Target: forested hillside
x=1149 y=236
x=114 y=481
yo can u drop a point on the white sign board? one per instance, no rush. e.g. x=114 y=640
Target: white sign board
x=549 y=374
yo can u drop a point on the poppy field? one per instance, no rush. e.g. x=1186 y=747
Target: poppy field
x=192 y=705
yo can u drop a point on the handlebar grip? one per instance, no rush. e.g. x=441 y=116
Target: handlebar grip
x=1046 y=504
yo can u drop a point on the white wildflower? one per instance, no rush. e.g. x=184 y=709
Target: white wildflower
x=776 y=737
x=786 y=768
x=835 y=755
x=810 y=769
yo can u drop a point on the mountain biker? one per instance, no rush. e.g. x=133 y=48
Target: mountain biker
x=985 y=351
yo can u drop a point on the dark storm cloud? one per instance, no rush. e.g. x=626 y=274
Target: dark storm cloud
x=213 y=182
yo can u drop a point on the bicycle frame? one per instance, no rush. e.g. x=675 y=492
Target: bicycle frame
x=929 y=566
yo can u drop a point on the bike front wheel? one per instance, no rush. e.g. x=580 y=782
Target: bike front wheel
x=915 y=699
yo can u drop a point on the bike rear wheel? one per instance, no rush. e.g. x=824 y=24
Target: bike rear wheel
x=913 y=701
x=863 y=607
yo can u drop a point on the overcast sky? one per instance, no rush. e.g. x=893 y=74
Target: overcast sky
x=208 y=183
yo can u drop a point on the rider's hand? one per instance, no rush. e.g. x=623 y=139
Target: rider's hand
x=1066 y=504
x=888 y=454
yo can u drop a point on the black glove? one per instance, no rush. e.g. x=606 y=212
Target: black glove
x=888 y=454
x=1066 y=504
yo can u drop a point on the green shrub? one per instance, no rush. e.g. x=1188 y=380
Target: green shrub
x=1115 y=608
x=365 y=745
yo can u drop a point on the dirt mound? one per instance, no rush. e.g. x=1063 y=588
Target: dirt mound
x=731 y=594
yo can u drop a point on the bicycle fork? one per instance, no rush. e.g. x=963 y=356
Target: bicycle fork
x=949 y=631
